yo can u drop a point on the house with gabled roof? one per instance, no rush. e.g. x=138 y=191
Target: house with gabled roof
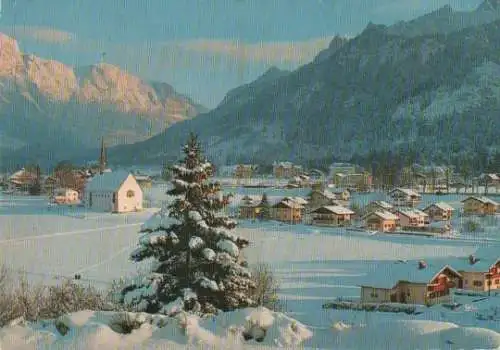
x=420 y=283
x=298 y=200
x=381 y=220
x=21 y=180
x=332 y=215
x=321 y=197
x=286 y=170
x=378 y=206
x=439 y=211
x=411 y=218
x=405 y=197
x=480 y=205
x=249 y=207
x=116 y=192
x=480 y=272
x=287 y=210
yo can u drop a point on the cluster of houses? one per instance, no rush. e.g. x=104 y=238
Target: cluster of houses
x=325 y=207
x=342 y=175
x=432 y=282
x=97 y=189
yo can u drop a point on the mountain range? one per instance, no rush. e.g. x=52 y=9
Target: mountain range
x=51 y=111
x=430 y=86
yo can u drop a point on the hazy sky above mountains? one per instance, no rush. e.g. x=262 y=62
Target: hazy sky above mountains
x=202 y=47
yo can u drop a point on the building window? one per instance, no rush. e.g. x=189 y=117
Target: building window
x=114 y=197
x=477 y=284
x=497 y=281
x=130 y=194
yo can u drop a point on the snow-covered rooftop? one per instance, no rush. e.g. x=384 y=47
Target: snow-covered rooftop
x=107 y=182
x=382 y=204
x=298 y=200
x=327 y=194
x=389 y=274
x=482 y=264
x=412 y=212
x=407 y=191
x=481 y=199
x=440 y=205
x=383 y=214
x=335 y=209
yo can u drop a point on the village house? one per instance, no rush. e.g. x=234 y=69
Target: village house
x=404 y=197
x=116 y=192
x=381 y=220
x=358 y=181
x=411 y=218
x=321 y=197
x=249 y=207
x=65 y=196
x=407 y=284
x=21 y=180
x=74 y=179
x=490 y=180
x=286 y=170
x=244 y=171
x=332 y=215
x=378 y=206
x=480 y=206
x=287 y=211
x=480 y=274
x=299 y=181
x=440 y=211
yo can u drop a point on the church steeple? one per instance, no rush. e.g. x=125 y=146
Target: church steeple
x=102 y=158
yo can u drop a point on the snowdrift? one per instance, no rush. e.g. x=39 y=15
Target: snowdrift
x=412 y=334
x=88 y=330
x=256 y=328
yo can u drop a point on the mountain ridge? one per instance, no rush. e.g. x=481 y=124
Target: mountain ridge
x=77 y=106
x=342 y=106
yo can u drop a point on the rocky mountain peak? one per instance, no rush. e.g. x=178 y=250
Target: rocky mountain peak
x=53 y=79
x=11 y=61
x=80 y=105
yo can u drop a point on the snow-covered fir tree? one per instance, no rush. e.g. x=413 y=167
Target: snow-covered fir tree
x=197 y=261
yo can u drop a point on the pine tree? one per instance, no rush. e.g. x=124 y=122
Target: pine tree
x=196 y=257
x=264 y=208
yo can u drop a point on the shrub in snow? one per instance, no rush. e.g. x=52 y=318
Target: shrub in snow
x=371 y=307
x=195 y=251
x=31 y=302
x=126 y=322
x=266 y=287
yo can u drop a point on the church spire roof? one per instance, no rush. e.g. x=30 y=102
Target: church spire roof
x=102 y=158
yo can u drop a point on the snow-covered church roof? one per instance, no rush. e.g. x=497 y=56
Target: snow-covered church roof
x=107 y=181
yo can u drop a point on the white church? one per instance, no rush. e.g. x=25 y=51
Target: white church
x=112 y=191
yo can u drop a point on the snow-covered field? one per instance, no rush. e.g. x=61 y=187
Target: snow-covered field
x=315 y=265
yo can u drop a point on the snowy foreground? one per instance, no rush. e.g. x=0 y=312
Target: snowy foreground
x=314 y=265
x=262 y=328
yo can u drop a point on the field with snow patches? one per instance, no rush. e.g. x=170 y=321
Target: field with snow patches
x=314 y=265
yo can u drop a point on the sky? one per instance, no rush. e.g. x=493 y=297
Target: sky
x=201 y=47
